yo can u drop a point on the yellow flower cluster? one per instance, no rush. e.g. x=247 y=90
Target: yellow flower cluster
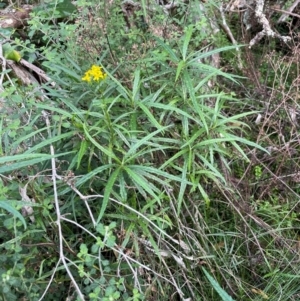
x=95 y=73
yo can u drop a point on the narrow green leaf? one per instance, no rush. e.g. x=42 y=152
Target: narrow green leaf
x=183 y=186
x=20 y=164
x=69 y=58
x=204 y=80
x=25 y=156
x=57 y=110
x=186 y=127
x=140 y=181
x=107 y=152
x=173 y=158
x=75 y=111
x=81 y=152
x=150 y=177
x=224 y=296
x=1 y=129
x=24 y=138
x=231 y=139
x=204 y=195
x=169 y=107
x=144 y=178
x=189 y=85
x=87 y=177
x=159 y=172
x=123 y=188
x=245 y=141
x=154 y=97
x=50 y=141
x=148 y=148
x=121 y=88
x=180 y=67
x=212 y=168
x=145 y=8
x=133 y=125
x=150 y=116
x=163 y=73
x=168 y=49
x=198 y=135
x=235 y=118
x=136 y=85
x=7 y=206
x=108 y=192
x=200 y=55
x=239 y=149
x=128 y=235
x=67 y=71
x=187 y=38
x=210 y=69
x=150 y=237
x=207 y=174
x=139 y=143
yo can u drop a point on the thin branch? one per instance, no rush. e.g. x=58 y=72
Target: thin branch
x=117 y=250
x=131 y=209
x=230 y=35
x=82 y=197
x=37 y=70
x=50 y=281
x=57 y=208
x=3 y=64
x=288 y=12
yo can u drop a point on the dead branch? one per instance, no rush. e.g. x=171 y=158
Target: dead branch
x=267 y=30
x=288 y=12
x=230 y=35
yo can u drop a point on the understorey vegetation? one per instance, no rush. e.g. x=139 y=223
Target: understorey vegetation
x=149 y=150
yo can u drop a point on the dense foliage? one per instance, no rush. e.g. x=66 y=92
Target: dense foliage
x=151 y=166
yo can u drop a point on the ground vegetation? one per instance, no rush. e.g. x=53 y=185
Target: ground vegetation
x=149 y=150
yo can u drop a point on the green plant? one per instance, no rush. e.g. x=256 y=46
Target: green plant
x=129 y=168
x=224 y=296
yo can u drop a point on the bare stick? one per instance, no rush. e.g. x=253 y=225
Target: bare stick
x=230 y=35
x=288 y=12
x=267 y=30
x=57 y=208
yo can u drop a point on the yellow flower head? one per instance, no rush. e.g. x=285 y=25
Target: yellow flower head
x=95 y=73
